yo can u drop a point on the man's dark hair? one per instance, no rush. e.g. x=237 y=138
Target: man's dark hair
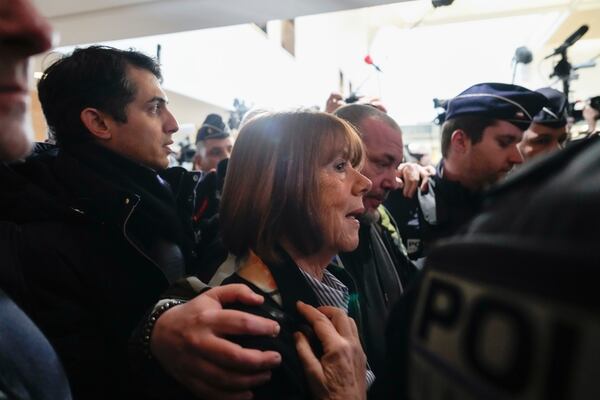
x=472 y=125
x=94 y=77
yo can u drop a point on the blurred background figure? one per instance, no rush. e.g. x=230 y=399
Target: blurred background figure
x=418 y=153
x=548 y=131
x=336 y=100
x=213 y=143
x=591 y=114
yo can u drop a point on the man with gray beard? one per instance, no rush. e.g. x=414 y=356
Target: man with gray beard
x=379 y=266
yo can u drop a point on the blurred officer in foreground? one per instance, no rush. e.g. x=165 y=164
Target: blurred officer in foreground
x=29 y=366
x=510 y=309
x=483 y=126
x=548 y=131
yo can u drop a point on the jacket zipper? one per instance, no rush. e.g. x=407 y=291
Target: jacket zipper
x=131 y=242
x=379 y=240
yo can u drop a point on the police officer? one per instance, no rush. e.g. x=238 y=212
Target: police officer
x=510 y=308
x=483 y=127
x=548 y=131
x=213 y=143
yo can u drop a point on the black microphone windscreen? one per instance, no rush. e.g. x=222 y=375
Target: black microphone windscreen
x=576 y=35
x=570 y=41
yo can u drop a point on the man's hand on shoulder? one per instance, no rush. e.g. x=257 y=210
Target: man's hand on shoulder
x=188 y=341
x=412 y=176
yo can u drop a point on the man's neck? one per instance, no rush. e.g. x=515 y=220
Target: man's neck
x=101 y=153
x=456 y=172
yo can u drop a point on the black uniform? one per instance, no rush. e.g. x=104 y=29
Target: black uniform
x=528 y=262
x=434 y=215
x=448 y=205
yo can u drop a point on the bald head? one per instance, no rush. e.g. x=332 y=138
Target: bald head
x=356 y=114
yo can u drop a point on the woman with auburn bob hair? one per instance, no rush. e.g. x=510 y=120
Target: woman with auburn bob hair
x=292 y=193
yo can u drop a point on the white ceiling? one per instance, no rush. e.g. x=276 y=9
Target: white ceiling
x=61 y=8
x=89 y=21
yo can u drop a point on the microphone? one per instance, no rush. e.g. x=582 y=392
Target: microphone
x=353 y=98
x=523 y=55
x=369 y=61
x=570 y=41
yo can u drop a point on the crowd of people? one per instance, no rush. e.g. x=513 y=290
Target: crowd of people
x=305 y=261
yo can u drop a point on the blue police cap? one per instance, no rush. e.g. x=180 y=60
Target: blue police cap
x=213 y=127
x=511 y=103
x=555 y=113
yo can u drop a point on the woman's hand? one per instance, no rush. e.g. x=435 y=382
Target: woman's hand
x=341 y=371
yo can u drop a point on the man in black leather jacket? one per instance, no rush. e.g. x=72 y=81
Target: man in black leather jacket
x=100 y=233
x=100 y=227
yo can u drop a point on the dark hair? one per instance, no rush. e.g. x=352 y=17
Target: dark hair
x=356 y=113
x=271 y=190
x=595 y=103
x=472 y=125
x=95 y=77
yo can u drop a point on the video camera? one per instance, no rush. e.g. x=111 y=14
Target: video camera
x=440 y=108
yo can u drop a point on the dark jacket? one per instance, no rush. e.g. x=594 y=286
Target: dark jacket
x=288 y=380
x=438 y=214
x=97 y=239
x=29 y=367
x=382 y=272
x=528 y=259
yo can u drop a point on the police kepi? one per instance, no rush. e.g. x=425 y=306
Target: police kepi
x=511 y=103
x=555 y=112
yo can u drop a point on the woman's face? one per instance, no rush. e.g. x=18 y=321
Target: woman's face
x=342 y=188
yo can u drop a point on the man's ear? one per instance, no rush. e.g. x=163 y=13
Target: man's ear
x=459 y=141
x=197 y=162
x=96 y=122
